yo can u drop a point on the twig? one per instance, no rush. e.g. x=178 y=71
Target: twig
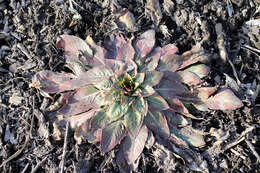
x=252 y=148
x=234 y=71
x=64 y=148
x=251 y=48
x=25 y=143
x=238 y=154
x=240 y=139
x=234 y=143
x=103 y=164
x=38 y=165
x=25 y=168
x=24 y=50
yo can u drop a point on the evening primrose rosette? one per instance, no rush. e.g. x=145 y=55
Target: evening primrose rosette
x=131 y=93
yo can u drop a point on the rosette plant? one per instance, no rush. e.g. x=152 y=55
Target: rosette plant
x=131 y=93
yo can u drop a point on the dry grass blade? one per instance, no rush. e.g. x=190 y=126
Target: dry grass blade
x=38 y=165
x=252 y=148
x=64 y=148
x=240 y=139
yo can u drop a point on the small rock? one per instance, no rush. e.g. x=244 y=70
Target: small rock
x=223 y=164
x=15 y=99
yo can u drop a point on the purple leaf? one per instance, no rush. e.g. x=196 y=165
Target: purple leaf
x=84 y=132
x=177 y=140
x=157 y=123
x=169 y=60
x=193 y=56
x=74 y=45
x=150 y=140
x=82 y=100
x=205 y=92
x=97 y=73
x=140 y=105
x=81 y=118
x=170 y=85
x=150 y=63
x=99 y=52
x=116 y=66
x=144 y=43
x=190 y=78
x=52 y=82
x=75 y=63
x=152 y=78
x=177 y=106
x=118 y=48
x=77 y=50
x=121 y=162
x=130 y=67
x=132 y=148
x=112 y=135
x=156 y=102
x=224 y=100
x=200 y=70
x=169 y=49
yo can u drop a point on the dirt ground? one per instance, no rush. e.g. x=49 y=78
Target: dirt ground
x=228 y=29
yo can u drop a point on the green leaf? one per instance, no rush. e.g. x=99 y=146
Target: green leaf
x=133 y=121
x=175 y=119
x=140 y=105
x=156 y=121
x=133 y=147
x=112 y=135
x=104 y=84
x=111 y=96
x=139 y=79
x=147 y=91
x=116 y=110
x=99 y=120
x=99 y=72
x=156 y=102
x=191 y=136
x=152 y=78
